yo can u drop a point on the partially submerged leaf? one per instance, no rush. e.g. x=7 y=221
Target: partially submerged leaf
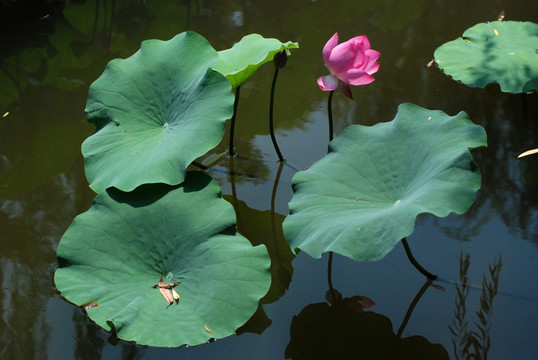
x=155 y=113
x=363 y=197
x=115 y=252
x=245 y=57
x=503 y=52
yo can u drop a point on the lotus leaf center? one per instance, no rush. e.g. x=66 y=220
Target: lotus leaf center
x=169 y=276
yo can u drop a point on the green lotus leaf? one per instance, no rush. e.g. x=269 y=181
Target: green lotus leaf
x=155 y=112
x=504 y=52
x=363 y=196
x=112 y=255
x=245 y=57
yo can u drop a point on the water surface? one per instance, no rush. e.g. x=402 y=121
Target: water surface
x=52 y=52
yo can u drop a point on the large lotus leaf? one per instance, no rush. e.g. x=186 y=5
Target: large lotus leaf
x=115 y=252
x=240 y=61
x=363 y=196
x=155 y=112
x=321 y=331
x=500 y=51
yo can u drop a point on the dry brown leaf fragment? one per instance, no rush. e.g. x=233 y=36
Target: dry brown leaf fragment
x=90 y=305
x=164 y=289
x=166 y=295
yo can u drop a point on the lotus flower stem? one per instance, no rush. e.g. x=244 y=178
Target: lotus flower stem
x=415 y=263
x=235 y=203
x=330 y=113
x=271 y=130
x=232 y=121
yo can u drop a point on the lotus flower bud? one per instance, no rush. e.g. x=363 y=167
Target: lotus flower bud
x=280 y=59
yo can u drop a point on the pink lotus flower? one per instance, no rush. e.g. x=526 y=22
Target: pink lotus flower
x=352 y=62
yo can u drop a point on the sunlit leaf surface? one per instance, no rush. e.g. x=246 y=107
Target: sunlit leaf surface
x=503 y=52
x=155 y=112
x=363 y=197
x=114 y=254
x=240 y=61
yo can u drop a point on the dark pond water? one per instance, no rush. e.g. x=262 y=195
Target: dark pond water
x=51 y=52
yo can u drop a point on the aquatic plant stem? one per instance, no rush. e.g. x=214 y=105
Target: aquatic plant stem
x=330 y=114
x=415 y=263
x=329 y=275
x=235 y=202
x=271 y=129
x=232 y=121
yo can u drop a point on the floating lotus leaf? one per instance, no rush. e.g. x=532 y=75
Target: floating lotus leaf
x=504 y=52
x=112 y=255
x=240 y=61
x=321 y=331
x=155 y=112
x=363 y=196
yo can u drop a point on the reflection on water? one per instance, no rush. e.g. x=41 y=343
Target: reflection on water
x=53 y=50
x=36 y=221
x=469 y=343
x=341 y=331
